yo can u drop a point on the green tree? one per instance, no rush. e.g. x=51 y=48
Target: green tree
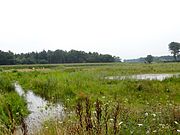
x=149 y=59
x=174 y=48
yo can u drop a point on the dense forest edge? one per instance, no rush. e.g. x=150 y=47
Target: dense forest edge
x=55 y=57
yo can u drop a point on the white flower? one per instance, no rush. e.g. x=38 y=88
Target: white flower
x=146 y=114
x=103 y=97
x=147 y=132
x=178 y=130
x=111 y=119
x=154 y=131
x=60 y=122
x=140 y=125
x=120 y=123
x=176 y=122
x=154 y=115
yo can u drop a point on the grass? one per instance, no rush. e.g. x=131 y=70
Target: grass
x=12 y=107
x=96 y=105
x=114 y=118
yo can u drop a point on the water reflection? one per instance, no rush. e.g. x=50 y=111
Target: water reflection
x=159 y=77
x=40 y=110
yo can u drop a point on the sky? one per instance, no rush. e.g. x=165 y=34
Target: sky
x=124 y=28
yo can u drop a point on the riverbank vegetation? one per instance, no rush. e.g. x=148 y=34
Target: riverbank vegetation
x=97 y=105
x=13 y=108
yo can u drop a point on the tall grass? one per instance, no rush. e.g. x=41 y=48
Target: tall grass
x=108 y=118
x=12 y=107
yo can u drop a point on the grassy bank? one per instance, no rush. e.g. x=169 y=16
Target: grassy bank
x=12 y=107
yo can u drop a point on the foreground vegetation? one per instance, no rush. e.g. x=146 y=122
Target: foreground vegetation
x=96 y=105
x=13 y=108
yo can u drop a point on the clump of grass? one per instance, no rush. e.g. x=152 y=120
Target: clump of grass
x=12 y=110
x=5 y=84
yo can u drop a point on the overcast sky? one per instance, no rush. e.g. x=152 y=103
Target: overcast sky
x=125 y=28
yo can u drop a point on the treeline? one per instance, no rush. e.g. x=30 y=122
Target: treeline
x=167 y=58
x=54 y=57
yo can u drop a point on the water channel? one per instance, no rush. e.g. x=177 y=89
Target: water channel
x=159 y=77
x=40 y=110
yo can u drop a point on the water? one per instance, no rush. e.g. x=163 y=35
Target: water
x=40 y=110
x=159 y=77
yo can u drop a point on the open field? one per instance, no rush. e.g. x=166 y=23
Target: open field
x=94 y=104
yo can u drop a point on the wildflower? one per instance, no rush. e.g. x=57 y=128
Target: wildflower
x=154 y=131
x=147 y=132
x=154 y=115
x=120 y=123
x=60 y=122
x=111 y=119
x=178 y=130
x=176 y=122
x=94 y=112
x=103 y=97
x=146 y=114
x=140 y=125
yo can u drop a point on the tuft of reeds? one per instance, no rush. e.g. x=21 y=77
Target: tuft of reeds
x=98 y=115
x=88 y=120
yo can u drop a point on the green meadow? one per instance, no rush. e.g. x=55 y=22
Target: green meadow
x=94 y=104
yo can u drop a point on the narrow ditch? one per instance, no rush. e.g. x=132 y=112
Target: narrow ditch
x=40 y=110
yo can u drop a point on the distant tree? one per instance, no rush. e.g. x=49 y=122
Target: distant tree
x=7 y=58
x=117 y=59
x=149 y=59
x=53 y=57
x=174 y=48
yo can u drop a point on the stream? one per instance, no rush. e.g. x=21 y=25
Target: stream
x=159 y=77
x=40 y=110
